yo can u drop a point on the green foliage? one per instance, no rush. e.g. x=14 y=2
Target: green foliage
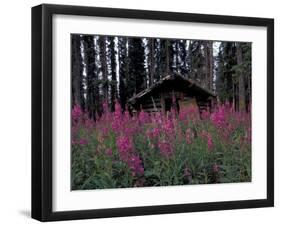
x=226 y=159
x=228 y=71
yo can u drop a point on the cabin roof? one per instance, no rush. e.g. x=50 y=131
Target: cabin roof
x=173 y=80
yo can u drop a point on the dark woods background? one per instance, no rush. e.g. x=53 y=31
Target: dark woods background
x=110 y=68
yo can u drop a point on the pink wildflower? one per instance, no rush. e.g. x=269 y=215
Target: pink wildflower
x=218 y=117
x=76 y=113
x=189 y=135
x=157 y=118
x=192 y=112
x=89 y=124
x=153 y=133
x=182 y=115
x=127 y=116
x=129 y=129
x=168 y=127
x=143 y=117
x=80 y=142
x=210 y=142
x=125 y=146
x=135 y=164
x=117 y=108
x=73 y=142
x=165 y=149
x=108 y=152
x=205 y=115
x=133 y=161
x=83 y=142
x=207 y=136
x=117 y=118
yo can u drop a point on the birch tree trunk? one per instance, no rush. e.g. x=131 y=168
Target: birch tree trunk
x=152 y=62
x=104 y=68
x=167 y=57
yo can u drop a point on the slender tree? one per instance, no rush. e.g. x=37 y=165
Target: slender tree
x=91 y=81
x=241 y=82
x=77 y=70
x=247 y=66
x=208 y=48
x=225 y=77
x=168 y=56
x=196 y=61
x=113 y=71
x=123 y=69
x=104 y=63
x=137 y=79
x=152 y=60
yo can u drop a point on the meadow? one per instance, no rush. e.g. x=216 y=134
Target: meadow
x=120 y=150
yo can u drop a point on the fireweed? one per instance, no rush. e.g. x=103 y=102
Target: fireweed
x=165 y=148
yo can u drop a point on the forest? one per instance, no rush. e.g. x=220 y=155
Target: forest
x=115 y=147
x=109 y=69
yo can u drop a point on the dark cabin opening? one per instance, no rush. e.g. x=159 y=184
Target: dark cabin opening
x=169 y=104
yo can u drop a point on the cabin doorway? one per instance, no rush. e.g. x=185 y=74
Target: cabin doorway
x=169 y=104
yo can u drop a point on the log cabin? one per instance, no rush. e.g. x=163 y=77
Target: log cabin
x=172 y=90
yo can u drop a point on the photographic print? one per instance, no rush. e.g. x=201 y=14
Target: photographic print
x=129 y=106
x=158 y=112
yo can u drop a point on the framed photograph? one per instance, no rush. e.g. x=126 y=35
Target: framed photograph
x=146 y=112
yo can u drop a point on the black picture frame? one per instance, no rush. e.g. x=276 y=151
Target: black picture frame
x=42 y=107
